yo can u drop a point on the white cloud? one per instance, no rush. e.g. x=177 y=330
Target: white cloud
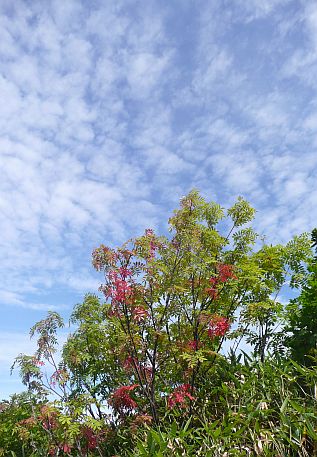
x=144 y=71
x=302 y=62
x=56 y=193
x=216 y=67
x=12 y=344
x=254 y=9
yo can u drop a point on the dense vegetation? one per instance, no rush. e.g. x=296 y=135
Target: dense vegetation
x=157 y=367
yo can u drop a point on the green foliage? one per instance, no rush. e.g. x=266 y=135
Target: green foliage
x=14 y=412
x=301 y=316
x=252 y=409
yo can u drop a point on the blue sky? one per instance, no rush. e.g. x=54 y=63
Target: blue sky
x=112 y=110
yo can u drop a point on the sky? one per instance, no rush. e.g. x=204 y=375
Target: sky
x=112 y=110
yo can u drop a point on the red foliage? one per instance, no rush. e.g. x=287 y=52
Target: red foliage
x=48 y=418
x=28 y=422
x=218 y=326
x=119 y=290
x=66 y=448
x=38 y=362
x=213 y=293
x=91 y=438
x=149 y=233
x=125 y=272
x=120 y=399
x=225 y=272
x=130 y=363
x=193 y=345
x=139 y=314
x=179 y=396
x=56 y=377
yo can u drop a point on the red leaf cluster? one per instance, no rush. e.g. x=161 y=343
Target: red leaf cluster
x=218 y=326
x=193 y=345
x=139 y=314
x=225 y=272
x=92 y=439
x=38 y=362
x=121 y=400
x=149 y=233
x=179 y=396
x=119 y=290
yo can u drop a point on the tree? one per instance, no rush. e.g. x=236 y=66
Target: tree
x=146 y=351
x=170 y=303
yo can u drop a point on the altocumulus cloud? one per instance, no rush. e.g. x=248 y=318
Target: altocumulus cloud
x=110 y=111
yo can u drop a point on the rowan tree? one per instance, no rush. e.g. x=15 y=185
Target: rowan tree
x=144 y=349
